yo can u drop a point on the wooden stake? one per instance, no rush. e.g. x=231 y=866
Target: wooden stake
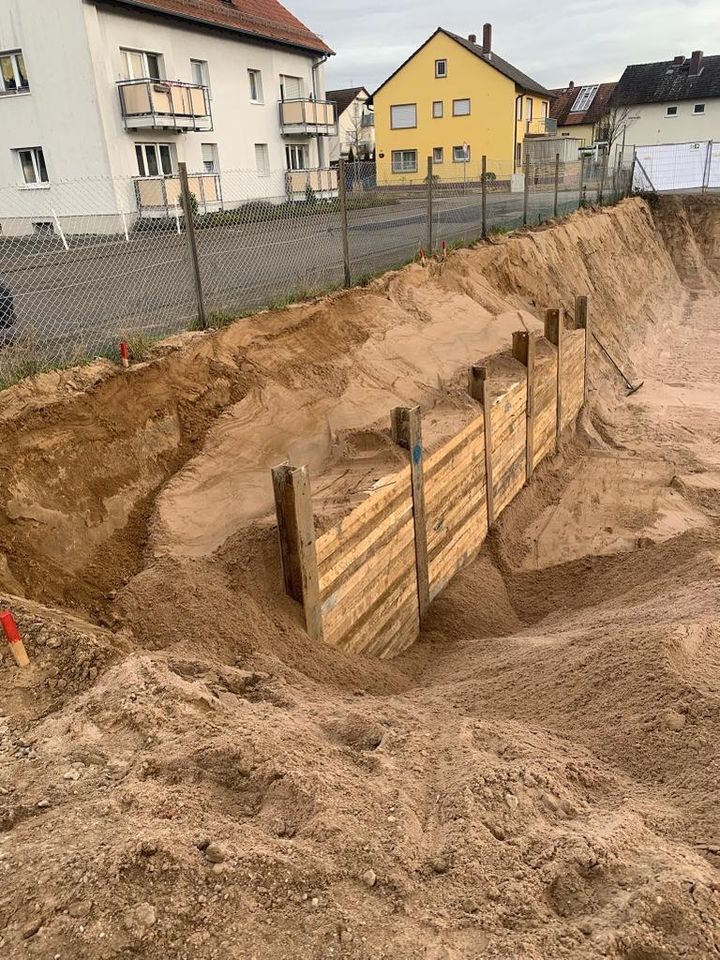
x=406 y=427
x=296 y=530
x=582 y=322
x=12 y=635
x=524 y=350
x=480 y=390
x=554 y=329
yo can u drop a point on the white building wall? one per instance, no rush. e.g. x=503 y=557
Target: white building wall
x=347 y=122
x=648 y=123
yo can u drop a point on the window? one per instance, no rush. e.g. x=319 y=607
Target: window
x=438 y=109
x=200 y=73
x=583 y=99
x=671 y=111
x=210 y=160
x=544 y=106
x=262 y=159
x=140 y=65
x=461 y=108
x=437 y=154
x=518 y=154
x=404 y=161
x=155 y=159
x=699 y=108
x=256 y=90
x=291 y=88
x=403 y=116
x=32 y=164
x=441 y=70
x=296 y=156
x=13 y=75
x=529 y=108
x=461 y=154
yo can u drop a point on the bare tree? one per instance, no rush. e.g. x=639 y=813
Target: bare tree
x=356 y=134
x=613 y=126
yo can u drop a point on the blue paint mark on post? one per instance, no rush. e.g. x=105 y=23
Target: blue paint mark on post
x=417 y=454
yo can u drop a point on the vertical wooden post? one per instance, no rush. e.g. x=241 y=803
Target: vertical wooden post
x=526 y=195
x=582 y=322
x=524 y=350
x=406 y=426
x=557 y=184
x=296 y=530
x=479 y=389
x=192 y=243
x=554 y=329
x=483 y=188
x=430 y=188
x=342 y=193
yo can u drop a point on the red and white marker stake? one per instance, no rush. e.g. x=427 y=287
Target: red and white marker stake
x=124 y=356
x=444 y=249
x=423 y=261
x=12 y=635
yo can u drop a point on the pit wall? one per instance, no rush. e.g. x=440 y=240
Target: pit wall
x=367 y=583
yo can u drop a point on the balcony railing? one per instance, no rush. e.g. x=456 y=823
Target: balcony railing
x=164 y=105
x=542 y=127
x=158 y=195
x=310 y=117
x=323 y=183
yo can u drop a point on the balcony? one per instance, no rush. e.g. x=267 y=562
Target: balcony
x=322 y=183
x=542 y=127
x=164 y=105
x=310 y=118
x=161 y=195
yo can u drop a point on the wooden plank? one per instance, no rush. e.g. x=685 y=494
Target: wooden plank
x=287 y=530
x=582 y=322
x=437 y=460
x=407 y=431
x=480 y=389
x=525 y=350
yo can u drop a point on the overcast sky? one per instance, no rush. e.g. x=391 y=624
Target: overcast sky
x=588 y=41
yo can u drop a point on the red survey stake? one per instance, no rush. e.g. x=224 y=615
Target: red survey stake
x=12 y=635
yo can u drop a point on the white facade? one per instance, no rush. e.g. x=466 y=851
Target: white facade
x=356 y=129
x=74 y=57
x=651 y=123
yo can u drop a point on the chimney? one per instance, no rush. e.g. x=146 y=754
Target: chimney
x=487 y=38
x=680 y=59
x=571 y=85
x=472 y=38
x=695 y=62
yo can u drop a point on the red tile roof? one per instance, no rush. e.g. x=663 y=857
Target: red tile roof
x=264 y=19
x=564 y=99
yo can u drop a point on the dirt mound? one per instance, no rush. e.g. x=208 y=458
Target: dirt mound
x=191 y=776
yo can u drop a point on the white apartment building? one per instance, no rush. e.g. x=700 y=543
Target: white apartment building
x=118 y=92
x=356 y=124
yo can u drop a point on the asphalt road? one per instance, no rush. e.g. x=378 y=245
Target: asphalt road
x=103 y=289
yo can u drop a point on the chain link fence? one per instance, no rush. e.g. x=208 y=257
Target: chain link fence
x=87 y=264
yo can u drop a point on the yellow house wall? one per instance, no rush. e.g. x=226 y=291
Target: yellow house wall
x=579 y=131
x=490 y=129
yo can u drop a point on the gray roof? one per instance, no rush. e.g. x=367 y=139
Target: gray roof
x=519 y=78
x=668 y=81
x=343 y=98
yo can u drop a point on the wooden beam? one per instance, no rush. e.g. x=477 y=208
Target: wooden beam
x=524 y=350
x=480 y=390
x=296 y=531
x=406 y=426
x=554 y=330
x=582 y=322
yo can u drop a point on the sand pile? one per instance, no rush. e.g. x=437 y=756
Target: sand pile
x=190 y=776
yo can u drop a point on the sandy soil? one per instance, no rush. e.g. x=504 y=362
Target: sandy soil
x=189 y=776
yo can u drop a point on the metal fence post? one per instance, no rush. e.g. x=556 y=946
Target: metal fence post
x=342 y=191
x=429 y=206
x=192 y=243
x=557 y=184
x=708 y=166
x=483 y=187
x=526 y=195
x=603 y=176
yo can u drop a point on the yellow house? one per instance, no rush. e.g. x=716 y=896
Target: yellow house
x=455 y=100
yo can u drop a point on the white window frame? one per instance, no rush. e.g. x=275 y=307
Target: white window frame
x=466 y=100
x=35 y=154
x=295 y=152
x=283 y=85
x=144 y=54
x=584 y=99
x=438 y=114
x=519 y=109
x=403 y=126
x=255 y=76
x=465 y=158
x=529 y=109
x=214 y=161
x=544 y=108
x=438 y=155
x=441 y=72
x=402 y=167
x=699 y=113
x=264 y=169
x=144 y=146
x=674 y=108
x=19 y=88
x=204 y=72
